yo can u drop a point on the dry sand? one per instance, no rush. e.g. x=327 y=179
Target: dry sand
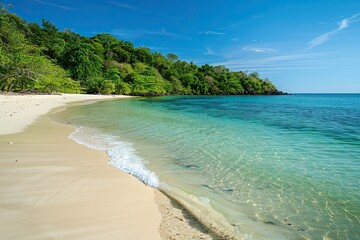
x=54 y=188
x=19 y=111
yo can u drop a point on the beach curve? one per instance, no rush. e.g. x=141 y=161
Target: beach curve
x=52 y=187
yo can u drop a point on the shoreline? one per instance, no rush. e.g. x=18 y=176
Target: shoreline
x=19 y=111
x=53 y=187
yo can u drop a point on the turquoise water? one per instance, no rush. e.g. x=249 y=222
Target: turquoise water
x=262 y=167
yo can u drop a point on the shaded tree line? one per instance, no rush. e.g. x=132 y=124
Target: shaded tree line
x=42 y=58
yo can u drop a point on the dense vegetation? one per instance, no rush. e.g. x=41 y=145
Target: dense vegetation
x=44 y=59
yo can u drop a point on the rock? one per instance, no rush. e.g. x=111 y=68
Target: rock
x=228 y=189
x=269 y=222
x=10 y=143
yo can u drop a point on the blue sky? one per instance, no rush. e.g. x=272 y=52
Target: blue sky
x=301 y=46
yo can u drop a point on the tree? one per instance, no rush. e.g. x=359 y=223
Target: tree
x=55 y=79
x=99 y=85
x=113 y=74
x=144 y=55
x=42 y=58
x=83 y=62
x=172 y=57
x=22 y=65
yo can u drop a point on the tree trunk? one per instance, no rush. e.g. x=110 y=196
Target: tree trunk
x=11 y=86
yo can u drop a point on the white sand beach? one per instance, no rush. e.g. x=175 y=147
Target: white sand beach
x=54 y=188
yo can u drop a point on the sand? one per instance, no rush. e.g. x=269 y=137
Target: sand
x=54 y=188
x=19 y=111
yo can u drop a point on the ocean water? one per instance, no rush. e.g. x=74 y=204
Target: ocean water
x=261 y=167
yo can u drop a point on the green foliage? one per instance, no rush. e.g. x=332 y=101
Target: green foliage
x=113 y=74
x=107 y=87
x=56 y=80
x=23 y=66
x=45 y=59
x=82 y=61
x=172 y=57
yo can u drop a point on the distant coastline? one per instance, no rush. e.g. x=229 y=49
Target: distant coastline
x=55 y=61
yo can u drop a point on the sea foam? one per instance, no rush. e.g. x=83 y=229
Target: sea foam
x=122 y=154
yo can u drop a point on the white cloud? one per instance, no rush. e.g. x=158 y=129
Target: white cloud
x=259 y=50
x=209 y=51
x=306 y=61
x=136 y=33
x=321 y=39
x=326 y=36
x=135 y=8
x=123 y=5
x=343 y=24
x=120 y=32
x=211 y=33
x=55 y=5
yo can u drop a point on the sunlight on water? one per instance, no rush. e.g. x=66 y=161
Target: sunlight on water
x=279 y=167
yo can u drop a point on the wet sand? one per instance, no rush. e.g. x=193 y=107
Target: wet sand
x=54 y=188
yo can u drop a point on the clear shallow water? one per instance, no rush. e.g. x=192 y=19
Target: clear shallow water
x=264 y=167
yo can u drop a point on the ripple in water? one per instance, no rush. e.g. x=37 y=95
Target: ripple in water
x=277 y=167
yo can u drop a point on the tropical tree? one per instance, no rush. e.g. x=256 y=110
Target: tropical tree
x=43 y=58
x=22 y=65
x=83 y=62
